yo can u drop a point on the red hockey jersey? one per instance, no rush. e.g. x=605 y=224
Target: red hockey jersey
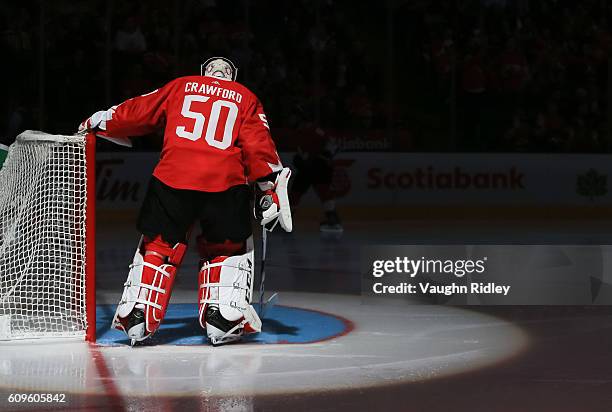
x=216 y=133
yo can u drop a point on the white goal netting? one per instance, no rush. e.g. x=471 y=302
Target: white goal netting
x=43 y=201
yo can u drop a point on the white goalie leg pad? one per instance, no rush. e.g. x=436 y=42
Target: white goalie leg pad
x=148 y=288
x=131 y=289
x=227 y=282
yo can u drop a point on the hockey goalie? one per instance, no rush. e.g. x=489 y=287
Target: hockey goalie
x=216 y=142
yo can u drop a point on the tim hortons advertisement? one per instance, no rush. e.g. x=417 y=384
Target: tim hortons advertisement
x=379 y=179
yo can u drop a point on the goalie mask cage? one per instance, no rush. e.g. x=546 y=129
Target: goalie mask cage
x=47 y=237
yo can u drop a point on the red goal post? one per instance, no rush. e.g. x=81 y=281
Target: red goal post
x=47 y=238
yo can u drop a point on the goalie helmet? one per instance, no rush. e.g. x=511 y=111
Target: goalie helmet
x=219 y=67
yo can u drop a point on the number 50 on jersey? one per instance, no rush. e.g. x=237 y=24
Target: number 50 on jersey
x=213 y=121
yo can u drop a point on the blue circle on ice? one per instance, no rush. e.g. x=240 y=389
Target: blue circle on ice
x=281 y=324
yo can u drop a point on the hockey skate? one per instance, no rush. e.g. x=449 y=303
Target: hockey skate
x=220 y=330
x=134 y=326
x=332 y=223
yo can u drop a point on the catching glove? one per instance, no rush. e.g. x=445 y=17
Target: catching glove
x=272 y=202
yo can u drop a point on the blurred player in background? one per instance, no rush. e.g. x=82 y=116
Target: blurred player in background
x=216 y=141
x=314 y=167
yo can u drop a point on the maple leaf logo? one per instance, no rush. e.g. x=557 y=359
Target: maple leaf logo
x=592 y=184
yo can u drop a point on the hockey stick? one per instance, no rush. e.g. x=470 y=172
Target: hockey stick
x=262 y=282
x=284 y=218
x=262 y=278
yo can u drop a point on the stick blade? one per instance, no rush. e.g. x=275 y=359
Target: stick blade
x=270 y=303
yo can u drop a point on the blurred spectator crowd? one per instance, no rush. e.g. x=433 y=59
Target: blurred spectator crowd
x=525 y=75
x=95 y=57
x=474 y=75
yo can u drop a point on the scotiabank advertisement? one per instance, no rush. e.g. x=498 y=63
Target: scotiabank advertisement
x=381 y=179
